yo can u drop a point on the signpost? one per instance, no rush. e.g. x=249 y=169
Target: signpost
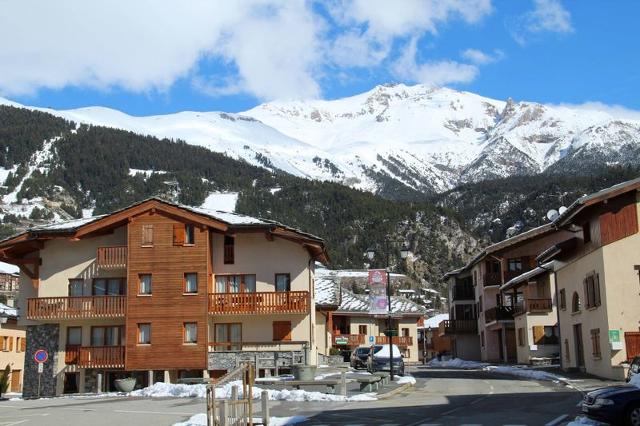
x=41 y=356
x=614 y=340
x=372 y=340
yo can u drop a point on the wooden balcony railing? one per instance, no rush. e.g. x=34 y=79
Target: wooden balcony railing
x=348 y=339
x=498 y=313
x=533 y=306
x=101 y=357
x=397 y=340
x=112 y=257
x=268 y=302
x=72 y=354
x=40 y=308
x=449 y=327
x=492 y=278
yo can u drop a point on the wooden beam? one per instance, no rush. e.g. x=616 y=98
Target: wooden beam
x=23 y=261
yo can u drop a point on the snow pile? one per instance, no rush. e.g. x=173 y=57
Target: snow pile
x=163 y=390
x=581 y=420
x=201 y=420
x=457 y=363
x=635 y=380
x=525 y=372
x=401 y=380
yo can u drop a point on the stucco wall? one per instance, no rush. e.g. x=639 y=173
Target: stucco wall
x=14 y=357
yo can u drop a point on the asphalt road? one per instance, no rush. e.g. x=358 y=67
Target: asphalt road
x=441 y=397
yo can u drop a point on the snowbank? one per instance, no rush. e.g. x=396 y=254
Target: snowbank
x=201 y=420
x=401 y=380
x=519 y=371
x=457 y=363
x=581 y=420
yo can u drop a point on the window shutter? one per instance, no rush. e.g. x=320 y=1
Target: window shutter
x=596 y=290
x=147 y=235
x=585 y=284
x=10 y=343
x=538 y=334
x=281 y=330
x=23 y=345
x=178 y=234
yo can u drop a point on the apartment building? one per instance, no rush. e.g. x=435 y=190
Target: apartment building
x=462 y=326
x=596 y=274
x=429 y=340
x=12 y=339
x=162 y=291
x=350 y=324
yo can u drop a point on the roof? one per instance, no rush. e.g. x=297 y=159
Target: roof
x=526 y=276
x=595 y=198
x=220 y=220
x=557 y=250
x=327 y=291
x=8 y=311
x=434 y=321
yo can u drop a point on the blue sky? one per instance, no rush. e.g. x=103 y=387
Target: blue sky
x=155 y=57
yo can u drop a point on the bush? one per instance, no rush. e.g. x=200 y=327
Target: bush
x=4 y=379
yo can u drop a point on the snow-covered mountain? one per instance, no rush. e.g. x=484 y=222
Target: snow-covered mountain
x=426 y=139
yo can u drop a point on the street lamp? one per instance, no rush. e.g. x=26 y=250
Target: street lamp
x=404 y=252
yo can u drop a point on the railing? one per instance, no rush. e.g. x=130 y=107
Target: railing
x=237 y=410
x=287 y=302
x=72 y=354
x=458 y=327
x=492 y=278
x=533 y=306
x=112 y=257
x=101 y=357
x=348 y=339
x=76 y=307
x=396 y=340
x=498 y=313
x=463 y=293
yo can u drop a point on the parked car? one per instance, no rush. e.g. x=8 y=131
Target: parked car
x=359 y=357
x=634 y=368
x=618 y=405
x=378 y=359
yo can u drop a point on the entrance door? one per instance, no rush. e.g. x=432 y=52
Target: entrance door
x=512 y=351
x=71 y=382
x=577 y=335
x=15 y=381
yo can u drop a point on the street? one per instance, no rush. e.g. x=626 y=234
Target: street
x=440 y=397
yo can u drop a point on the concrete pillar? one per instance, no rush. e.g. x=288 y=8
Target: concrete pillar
x=81 y=381
x=167 y=376
x=205 y=374
x=264 y=402
x=150 y=377
x=99 y=383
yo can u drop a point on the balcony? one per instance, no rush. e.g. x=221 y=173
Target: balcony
x=492 y=278
x=100 y=357
x=403 y=341
x=463 y=293
x=112 y=257
x=348 y=339
x=61 y=308
x=509 y=275
x=450 y=327
x=260 y=303
x=498 y=313
x=533 y=306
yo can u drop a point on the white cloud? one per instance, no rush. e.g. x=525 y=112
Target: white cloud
x=265 y=48
x=479 y=57
x=616 y=111
x=436 y=73
x=546 y=16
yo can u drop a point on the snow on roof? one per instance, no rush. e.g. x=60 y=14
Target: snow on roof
x=7 y=268
x=8 y=311
x=527 y=275
x=434 y=321
x=352 y=302
x=327 y=290
x=66 y=225
x=430 y=290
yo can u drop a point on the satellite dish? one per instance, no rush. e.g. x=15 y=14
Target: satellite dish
x=552 y=214
x=562 y=209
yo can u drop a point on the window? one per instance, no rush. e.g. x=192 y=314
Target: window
x=281 y=330
x=592 y=290
x=74 y=336
x=191 y=282
x=235 y=283
x=144 y=334
x=178 y=234
x=521 y=337
x=189 y=235
x=76 y=287
x=228 y=337
x=107 y=335
x=147 y=235
x=283 y=282
x=405 y=332
x=482 y=338
x=545 y=335
x=229 y=249
x=144 y=284
x=586 y=232
x=190 y=332
x=563 y=299
x=362 y=329
x=23 y=344
x=514 y=264
x=108 y=286
x=7 y=343
x=595 y=343
x=575 y=303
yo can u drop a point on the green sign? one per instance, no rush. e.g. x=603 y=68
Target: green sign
x=391 y=333
x=341 y=340
x=614 y=336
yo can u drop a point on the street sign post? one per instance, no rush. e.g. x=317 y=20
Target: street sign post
x=40 y=356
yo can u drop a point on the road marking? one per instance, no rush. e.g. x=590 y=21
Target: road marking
x=557 y=420
x=172 y=413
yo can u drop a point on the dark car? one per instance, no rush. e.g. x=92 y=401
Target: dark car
x=378 y=359
x=634 y=368
x=359 y=357
x=618 y=405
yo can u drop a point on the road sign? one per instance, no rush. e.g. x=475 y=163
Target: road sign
x=341 y=340
x=41 y=356
x=40 y=367
x=372 y=339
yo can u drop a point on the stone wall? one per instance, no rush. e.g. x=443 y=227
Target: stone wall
x=40 y=337
x=261 y=359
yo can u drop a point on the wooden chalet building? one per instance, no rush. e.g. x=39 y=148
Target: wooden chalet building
x=162 y=291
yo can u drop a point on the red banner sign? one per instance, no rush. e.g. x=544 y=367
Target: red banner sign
x=378 y=292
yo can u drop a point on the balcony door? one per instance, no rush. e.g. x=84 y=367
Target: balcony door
x=235 y=283
x=107 y=336
x=109 y=286
x=228 y=337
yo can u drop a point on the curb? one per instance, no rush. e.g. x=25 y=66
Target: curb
x=395 y=391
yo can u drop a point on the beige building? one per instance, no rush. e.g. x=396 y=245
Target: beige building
x=596 y=274
x=13 y=340
x=462 y=325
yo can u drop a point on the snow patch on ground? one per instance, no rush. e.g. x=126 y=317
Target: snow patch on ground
x=401 y=380
x=201 y=420
x=512 y=370
x=224 y=201
x=581 y=420
x=457 y=363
